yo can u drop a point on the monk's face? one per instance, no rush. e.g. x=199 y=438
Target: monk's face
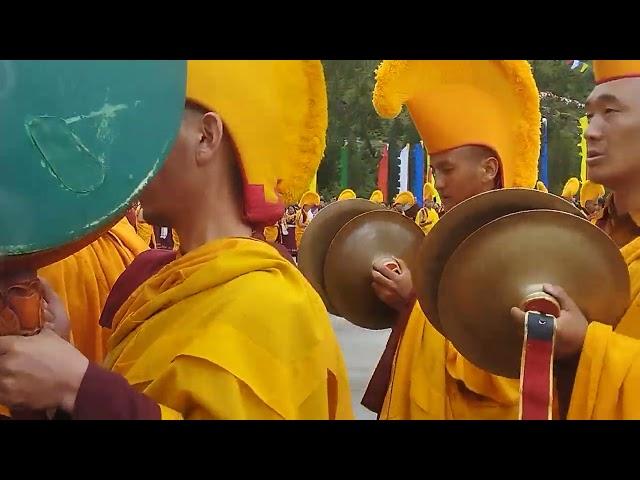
x=591 y=206
x=168 y=191
x=613 y=134
x=189 y=171
x=463 y=172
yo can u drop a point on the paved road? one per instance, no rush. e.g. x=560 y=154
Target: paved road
x=362 y=349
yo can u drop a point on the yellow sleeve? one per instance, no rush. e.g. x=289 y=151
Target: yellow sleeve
x=195 y=389
x=607 y=380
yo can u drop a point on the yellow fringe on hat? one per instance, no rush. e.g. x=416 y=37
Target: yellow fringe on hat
x=429 y=192
x=276 y=114
x=309 y=198
x=398 y=81
x=590 y=191
x=571 y=188
x=313 y=135
x=405 y=198
x=377 y=197
x=347 y=194
x=541 y=186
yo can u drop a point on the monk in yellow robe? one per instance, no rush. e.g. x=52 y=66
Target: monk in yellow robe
x=227 y=328
x=427 y=216
x=603 y=376
x=83 y=282
x=590 y=195
x=309 y=203
x=480 y=122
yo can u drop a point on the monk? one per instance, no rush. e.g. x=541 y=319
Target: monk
x=600 y=367
x=482 y=134
x=309 y=204
x=227 y=328
x=590 y=195
x=427 y=216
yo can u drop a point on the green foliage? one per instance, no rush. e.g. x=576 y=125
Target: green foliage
x=353 y=118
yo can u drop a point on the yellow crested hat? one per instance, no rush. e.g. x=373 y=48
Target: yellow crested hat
x=494 y=103
x=276 y=114
x=541 y=186
x=347 y=194
x=405 y=198
x=571 y=187
x=309 y=198
x=377 y=197
x=590 y=191
x=609 y=70
x=429 y=192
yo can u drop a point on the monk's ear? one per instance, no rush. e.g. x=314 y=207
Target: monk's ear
x=490 y=168
x=211 y=133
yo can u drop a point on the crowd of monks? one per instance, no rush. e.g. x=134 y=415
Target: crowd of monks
x=191 y=308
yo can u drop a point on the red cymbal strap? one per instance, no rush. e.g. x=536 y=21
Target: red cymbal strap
x=536 y=367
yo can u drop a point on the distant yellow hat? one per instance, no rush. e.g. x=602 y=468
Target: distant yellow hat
x=590 y=191
x=377 y=196
x=347 y=194
x=571 y=187
x=276 y=114
x=429 y=192
x=309 y=198
x=494 y=103
x=405 y=198
x=609 y=70
x=541 y=186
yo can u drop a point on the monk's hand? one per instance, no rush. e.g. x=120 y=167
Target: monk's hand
x=40 y=372
x=393 y=288
x=571 y=325
x=55 y=313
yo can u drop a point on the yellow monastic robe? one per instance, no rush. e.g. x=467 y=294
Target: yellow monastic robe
x=83 y=282
x=431 y=380
x=231 y=330
x=145 y=231
x=426 y=218
x=301 y=226
x=607 y=383
x=271 y=233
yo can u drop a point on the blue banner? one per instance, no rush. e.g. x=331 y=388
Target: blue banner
x=418 y=172
x=543 y=172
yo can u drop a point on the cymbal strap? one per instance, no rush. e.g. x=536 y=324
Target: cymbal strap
x=536 y=367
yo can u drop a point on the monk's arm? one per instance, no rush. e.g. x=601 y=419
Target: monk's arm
x=105 y=395
x=607 y=378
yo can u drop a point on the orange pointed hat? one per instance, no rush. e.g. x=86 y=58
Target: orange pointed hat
x=494 y=103
x=609 y=70
x=276 y=114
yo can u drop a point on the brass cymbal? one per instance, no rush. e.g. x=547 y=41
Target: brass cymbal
x=318 y=236
x=375 y=235
x=501 y=264
x=462 y=220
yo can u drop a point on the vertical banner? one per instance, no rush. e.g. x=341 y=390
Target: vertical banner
x=383 y=172
x=393 y=183
x=584 y=123
x=344 y=166
x=404 y=169
x=543 y=162
x=417 y=183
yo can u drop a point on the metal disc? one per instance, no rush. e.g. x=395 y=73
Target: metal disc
x=80 y=139
x=348 y=265
x=460 y=222
x=318 y=236
x=508 y=259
